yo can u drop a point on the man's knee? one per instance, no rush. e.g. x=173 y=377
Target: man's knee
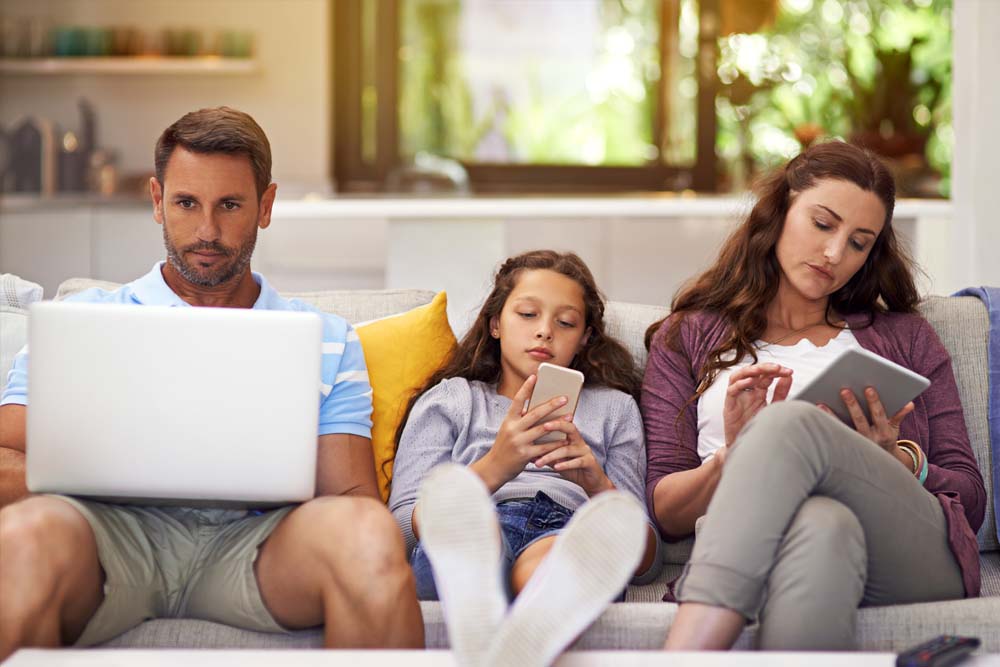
x=360 y=531
x=42 y=537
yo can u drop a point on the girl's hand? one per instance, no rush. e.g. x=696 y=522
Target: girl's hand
x=515 y=444
x=574 y=460
x=882 y=430
x=747 y=394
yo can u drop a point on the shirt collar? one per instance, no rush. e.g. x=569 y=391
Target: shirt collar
x=152 y=290
x=268 y=299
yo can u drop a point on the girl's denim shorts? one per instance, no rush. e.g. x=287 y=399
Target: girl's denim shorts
x=522 y=522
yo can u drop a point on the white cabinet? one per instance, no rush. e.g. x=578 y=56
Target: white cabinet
x=48 y=242
x=46 y=246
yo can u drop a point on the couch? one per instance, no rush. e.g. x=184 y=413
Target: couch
x=641 y=622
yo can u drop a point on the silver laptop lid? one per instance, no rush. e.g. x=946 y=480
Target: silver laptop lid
x=189 y=404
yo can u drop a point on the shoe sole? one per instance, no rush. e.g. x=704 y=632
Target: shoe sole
x=460 y=534
x=590 y=563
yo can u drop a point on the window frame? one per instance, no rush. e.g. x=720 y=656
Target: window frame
x=353 y=174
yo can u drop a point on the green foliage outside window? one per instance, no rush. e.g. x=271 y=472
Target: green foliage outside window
x=604 y=119
x=876 y=72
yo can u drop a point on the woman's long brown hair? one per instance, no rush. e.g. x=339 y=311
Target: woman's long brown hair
x=603 y=360
x=744 y=279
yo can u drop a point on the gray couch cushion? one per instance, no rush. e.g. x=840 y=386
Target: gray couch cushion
x=962 y=323
x=627 y=625
x=74 y=285
x=642 y=621
x=653 y=591
x=353 y=305
x=628 y=323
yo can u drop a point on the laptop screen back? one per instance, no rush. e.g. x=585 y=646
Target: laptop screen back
x=143 y=403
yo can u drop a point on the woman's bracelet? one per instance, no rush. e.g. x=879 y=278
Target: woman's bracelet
x=915 y=468
x=918 y=456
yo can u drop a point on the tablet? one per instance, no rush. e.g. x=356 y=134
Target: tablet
x=857 y=369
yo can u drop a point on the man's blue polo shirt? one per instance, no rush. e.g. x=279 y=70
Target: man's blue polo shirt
x=345 y=396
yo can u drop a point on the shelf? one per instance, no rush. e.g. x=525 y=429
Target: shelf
x=129 y=65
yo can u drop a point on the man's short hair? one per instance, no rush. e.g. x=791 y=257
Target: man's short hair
x=219 y=130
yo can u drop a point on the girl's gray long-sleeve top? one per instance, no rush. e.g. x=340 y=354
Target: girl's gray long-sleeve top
x=458 y=420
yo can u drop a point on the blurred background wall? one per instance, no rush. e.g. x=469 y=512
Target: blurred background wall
x=654 y=103
x=289 y=93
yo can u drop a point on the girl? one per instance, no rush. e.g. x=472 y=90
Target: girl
x=807 y=518
x=544 y=307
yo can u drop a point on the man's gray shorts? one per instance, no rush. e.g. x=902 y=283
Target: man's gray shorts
x=177 y=562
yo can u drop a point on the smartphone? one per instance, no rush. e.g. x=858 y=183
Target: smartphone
x=855 y=370
x=553 y=381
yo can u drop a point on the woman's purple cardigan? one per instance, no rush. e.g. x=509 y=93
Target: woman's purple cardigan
x=937 y=423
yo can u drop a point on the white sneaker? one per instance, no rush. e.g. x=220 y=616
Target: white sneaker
x=460 y=534
x=590 y=563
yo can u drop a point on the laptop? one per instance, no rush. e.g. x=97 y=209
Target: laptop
x=210 y=407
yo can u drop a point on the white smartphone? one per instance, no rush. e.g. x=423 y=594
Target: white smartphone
x=857 y=369
x=553 y=381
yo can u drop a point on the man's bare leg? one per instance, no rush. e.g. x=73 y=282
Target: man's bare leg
x=340 y=561
x=50 y=576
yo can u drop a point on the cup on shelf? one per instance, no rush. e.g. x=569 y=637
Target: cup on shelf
x=96 y=42
x=37 y=42
x=10 y=37
x=126 y=41
x=24 y=37
x=68 y=41
x=102 y=172
x=181 y=42
x=234 y=44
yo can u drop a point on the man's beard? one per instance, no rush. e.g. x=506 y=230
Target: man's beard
x=223 y=274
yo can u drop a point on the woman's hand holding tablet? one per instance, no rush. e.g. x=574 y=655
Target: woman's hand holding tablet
x=857 y=371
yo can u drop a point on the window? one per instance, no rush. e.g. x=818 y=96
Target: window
x=599 y=95
x=874 y=72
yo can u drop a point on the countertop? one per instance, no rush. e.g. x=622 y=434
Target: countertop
x=469 y=207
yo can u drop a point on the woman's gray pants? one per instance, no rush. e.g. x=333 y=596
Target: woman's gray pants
x=811 y=520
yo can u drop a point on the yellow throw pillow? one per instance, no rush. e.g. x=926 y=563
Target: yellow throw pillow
x=402 y=352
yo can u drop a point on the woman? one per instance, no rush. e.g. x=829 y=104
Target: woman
x=806 y=518
x=558 y=518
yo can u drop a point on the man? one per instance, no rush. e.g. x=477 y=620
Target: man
x=75 y=571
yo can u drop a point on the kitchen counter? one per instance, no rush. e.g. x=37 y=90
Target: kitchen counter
x=652 y=205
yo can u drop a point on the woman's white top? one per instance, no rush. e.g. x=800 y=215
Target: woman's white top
x=804 y=358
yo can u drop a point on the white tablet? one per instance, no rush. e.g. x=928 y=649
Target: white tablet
x=857 y=369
